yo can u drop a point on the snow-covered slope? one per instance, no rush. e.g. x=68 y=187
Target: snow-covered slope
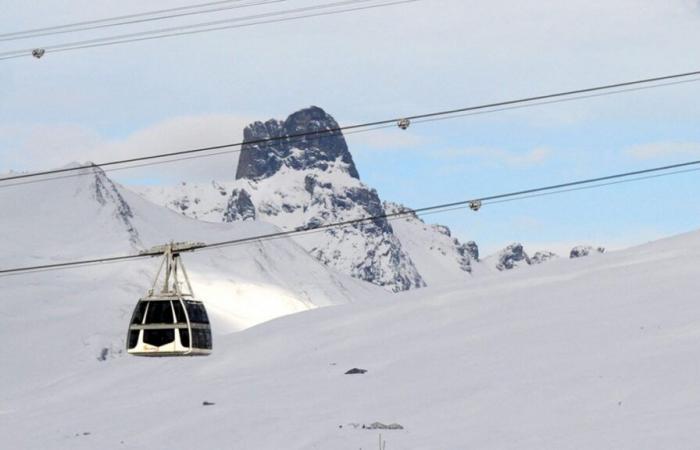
x=297 y=182
x=202 y=201
x=80 y=314
x=88 y=216
x=439 y=257
x=586 y=353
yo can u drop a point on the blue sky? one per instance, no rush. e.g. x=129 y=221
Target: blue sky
x=164 y=95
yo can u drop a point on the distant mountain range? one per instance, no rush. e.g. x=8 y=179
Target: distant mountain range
x=308 y=181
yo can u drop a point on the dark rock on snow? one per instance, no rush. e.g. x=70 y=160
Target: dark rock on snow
x=239 y=207
x=510 y=256
x=584 y=250
x=540 y=257
x=329 y=192
x=263 y=159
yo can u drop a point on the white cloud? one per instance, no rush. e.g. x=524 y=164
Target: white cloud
x=42 y=147
x=435 y=55
x=663 y=150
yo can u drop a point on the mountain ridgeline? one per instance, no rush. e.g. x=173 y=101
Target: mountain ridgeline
x=298 y=173
x=306 y=178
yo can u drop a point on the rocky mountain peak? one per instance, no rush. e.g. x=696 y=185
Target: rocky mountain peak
x=512 y=256
x=543 y=256
x=584 y=250
x=305 y=182
x=239 y=206
x=320 y=150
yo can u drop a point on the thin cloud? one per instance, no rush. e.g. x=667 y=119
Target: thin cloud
x=656 y=150
x=49 y=146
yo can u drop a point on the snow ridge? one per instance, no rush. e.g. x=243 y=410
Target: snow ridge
x=106 y=192
x=307 y=199
x=304 y=182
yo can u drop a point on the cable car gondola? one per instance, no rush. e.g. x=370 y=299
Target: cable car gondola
x=170 y=322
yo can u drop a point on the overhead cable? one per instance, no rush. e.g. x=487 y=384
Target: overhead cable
x=131 y=19
x=114 y=18
x=205 y=27
x=386 y=123
x=347 y=133
x=304 y=230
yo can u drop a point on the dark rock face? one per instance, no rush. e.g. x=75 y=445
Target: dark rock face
x=307 y=182
x=106 y=193
x=377 y=257
x=584 y=250
x=239 y=207
x=260 y=160
x=515 y=256
x=540 y=257
x=467 y=252
x=470 y=248
x=511 y=255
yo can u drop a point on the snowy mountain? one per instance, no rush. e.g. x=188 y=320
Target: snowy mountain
x=596 y=352
x=87 y=216
x=295 y=182
x=439 y=257
x=514 y=256
x=310 y=181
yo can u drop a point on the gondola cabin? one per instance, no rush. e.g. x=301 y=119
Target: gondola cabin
x=170 y=322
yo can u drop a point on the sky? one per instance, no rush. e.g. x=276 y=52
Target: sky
x=177 y=93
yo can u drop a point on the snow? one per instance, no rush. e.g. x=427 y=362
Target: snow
x=283 y=201
x=203 y=201
x=70 y=219
x=597 y=352
x=433 y=252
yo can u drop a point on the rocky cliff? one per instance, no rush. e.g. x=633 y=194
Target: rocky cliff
x=304 y=182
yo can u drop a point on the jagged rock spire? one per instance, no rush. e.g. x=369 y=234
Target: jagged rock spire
x=260 y=160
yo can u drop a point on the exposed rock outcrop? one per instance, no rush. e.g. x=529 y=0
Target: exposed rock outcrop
x=323 y=147
x=303 y=183
x=106 y=194
x=239 y=206
x=584 y=250
x=512 y=256
x=540 y=257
